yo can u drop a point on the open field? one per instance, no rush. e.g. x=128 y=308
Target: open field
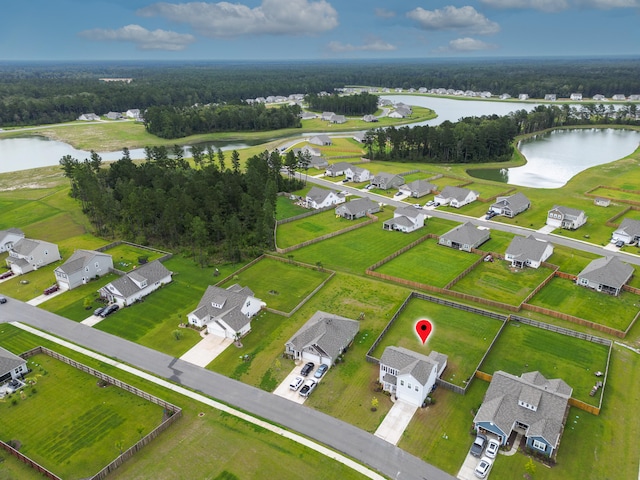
x=552 y=354
x=463 y=336
x=125 y=256
x=498 y=242
x=565 y=296
x=429 y=263
x=280 y=285
x=241 y=450
x=85 y=428
x=498 y=281
x=286 y=208
x=627 y=194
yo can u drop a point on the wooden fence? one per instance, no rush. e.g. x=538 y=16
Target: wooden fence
x=26 y=460
x=172 y=412
x=165 y=255
x=310 y=213
x=634 y=203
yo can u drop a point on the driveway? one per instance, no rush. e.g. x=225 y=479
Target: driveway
x=92 y=320
x=469 y=465
x=546 y=229
x=396 y=421
x=206 y=350
x=284 y=391
x=43 y=298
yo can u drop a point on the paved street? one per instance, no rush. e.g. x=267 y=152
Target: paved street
x=341 y=436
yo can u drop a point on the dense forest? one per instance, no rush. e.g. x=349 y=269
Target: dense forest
x=215 y=209
x=354 y=105
x=54 y=92
x=483 y=139
x=178 y=122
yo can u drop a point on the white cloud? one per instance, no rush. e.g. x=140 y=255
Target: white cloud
x=374 y=45
x=465 y=19
x=272 y=17
x=143 y=38
x=467 y=44
x=384 y=13
x=560 y=5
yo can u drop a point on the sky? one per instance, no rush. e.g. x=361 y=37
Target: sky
x=32 y=30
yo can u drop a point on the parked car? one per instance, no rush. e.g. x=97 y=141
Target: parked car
x=3 y=299
x=430 y=203
x=295 y=383
x=398 y=194
x=321 y=371
x=483 y=467
x=307 y=388
x=478 y=445
x=98 y=311
x=6 y=274
x=492 y=448
x=417 y=205
x=51 y=289
x=368 y=187
x=109 y=310
x=619 y=244
x=306 y=370
x=345 y=180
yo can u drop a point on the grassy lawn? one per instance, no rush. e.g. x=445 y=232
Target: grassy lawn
x=241 y=450
x=498 y=242
x=497 y=281
x=315 y=226
x=281 y=285
x=125 y=256
x=630 y=194
x=463 y=336
x=286 y=208
x=36 y=282
x=565 y=296
x=429 y=263
x=571 y=261
x=84 y=428
x=552 y=354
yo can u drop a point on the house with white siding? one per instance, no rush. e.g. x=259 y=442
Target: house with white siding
x=465 y=237
x=510 y=205
x=606 y=274
x=320 y=198
x=81 y=267
x=11 y=366
x=565 y=217
x=628 y=232
x=133 y=286
x=9 y=237
x=456 y=196
x=407 y=219
x=27 y=255
x=528 y=252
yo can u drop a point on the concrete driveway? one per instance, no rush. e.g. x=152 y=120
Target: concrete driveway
x=396 y=421
x=43 y=298
x=467 y=468
x=92 y=320
x=284 y=391
x=206 y=350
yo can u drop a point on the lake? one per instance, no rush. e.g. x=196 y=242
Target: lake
x=554 y=158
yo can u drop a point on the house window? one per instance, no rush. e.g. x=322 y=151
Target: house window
x=402 y=383
x=97 y=264
x=86 y=269
x=409 y=386
x=537 y=444
x=416 y=388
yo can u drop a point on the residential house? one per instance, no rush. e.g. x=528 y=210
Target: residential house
x=9 y=237
x=406 y=220
x=465 y=237
x=628 y=231
x=136 y=284
x=88 y=117
x=326 y=116
x=307 y=115
x=26 y=255
x=602 y=202
x=11 y=366
x=599 y=97
x=511 y=205
x=529 y=404
x=409 y=375
x=606 y=274
x=358 y=137
x=387 y=181
x=456 y=196
x=401 y=112
x=307 y=150
x=527 y=252
x=634 y=98
x=505 y=96
x=321 y=198
x=133 y=113
x=322 y=339
x=550 y=97
x=357 y=208
x=565 y=217
x=226 y=312
x=618 y=97
x=418 y=188
x=114 y=115
x=322 y=140
x=370 y=118
x=337 y=169
x=523 y=96
x=82 y=266
x=576 y=96
x=318 y=162
x=338 y=119
x=358 y=174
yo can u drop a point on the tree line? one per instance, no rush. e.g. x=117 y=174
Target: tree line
x=56 y=92
x=178 y=122
x=354 y=105
x=217 y=210
x=483 y=139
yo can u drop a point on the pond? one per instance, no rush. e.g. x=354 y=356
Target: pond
x=554 y=158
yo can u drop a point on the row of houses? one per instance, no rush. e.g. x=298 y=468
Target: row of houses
x=133 y=113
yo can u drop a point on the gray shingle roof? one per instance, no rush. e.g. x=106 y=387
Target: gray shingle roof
x=358 y=205
x=528 y=248
x=151 y=272
x=420 y=187
x=456 y=193
x=630 y=227
x=339 y=167
x=516 y=202
x=550 y=397
x=25 y=246
x=9 y=361
x=325 y=332
x=408 y=361
x=609 y=271
x=567 y=212
x=466 y=234
x=319 y=195
x=231 y=299
x=79 y=260
x=15 y=231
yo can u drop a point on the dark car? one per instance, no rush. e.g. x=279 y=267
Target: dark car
x=306 y=370
x=51 y=289
x=98 y=311
x=478 y=445
x=6 y=274
x=619 y=244
x=3 y=299
x=109 y=310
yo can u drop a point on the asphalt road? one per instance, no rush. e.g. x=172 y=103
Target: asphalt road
x=364 y=447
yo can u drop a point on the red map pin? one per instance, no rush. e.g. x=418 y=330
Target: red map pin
x=423 y=329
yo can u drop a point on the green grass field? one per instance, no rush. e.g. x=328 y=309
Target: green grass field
x=498 y=281
x=429 y=263
x=552 y=354
x=286 y=208
x=281 y=285
x=463 y=336
x=85 y=421
x=125 y=256
x=565 y=296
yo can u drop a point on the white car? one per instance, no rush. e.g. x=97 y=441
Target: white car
x=492 y=448
x=483 y=467
x=307 y=388
x=295 y=383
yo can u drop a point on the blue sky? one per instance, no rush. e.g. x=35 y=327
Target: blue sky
x=315 y=29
